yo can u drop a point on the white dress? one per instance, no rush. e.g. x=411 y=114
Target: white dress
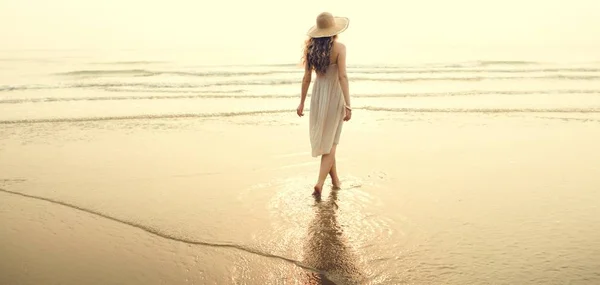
x=326 y=112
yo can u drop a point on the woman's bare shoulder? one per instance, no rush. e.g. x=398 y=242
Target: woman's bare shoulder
x=336 y=50
x=339 y=46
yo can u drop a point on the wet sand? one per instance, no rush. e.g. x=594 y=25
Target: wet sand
x=427 y=198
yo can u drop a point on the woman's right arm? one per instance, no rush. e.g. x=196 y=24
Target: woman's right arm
x=343 y=77
x=305 y=83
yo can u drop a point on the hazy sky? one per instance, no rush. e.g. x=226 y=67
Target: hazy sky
x=268 y=26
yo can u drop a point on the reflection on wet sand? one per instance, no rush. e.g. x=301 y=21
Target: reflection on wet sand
x=326 y=247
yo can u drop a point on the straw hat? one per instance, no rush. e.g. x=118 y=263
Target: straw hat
x=328 y=25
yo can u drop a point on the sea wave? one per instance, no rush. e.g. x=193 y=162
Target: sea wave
x=139 y=72
x=103 y=85
x=475 y=70
x=139 y=62
x=355 y=70
x=145 y=72
x=265 y=112
x=161 y=233
x=277 y=82
x=480 y=78
x=482 y=110
x=7 y=88
x=506 y=62
x=142 y=117
x=238 y=94
x=464 y=64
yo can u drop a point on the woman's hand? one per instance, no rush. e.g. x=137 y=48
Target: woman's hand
x=348 y=114
x=300 y=110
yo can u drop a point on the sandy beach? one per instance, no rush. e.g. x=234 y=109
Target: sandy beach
x=427 y=198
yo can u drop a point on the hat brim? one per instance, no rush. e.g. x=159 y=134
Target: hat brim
x=341 y=24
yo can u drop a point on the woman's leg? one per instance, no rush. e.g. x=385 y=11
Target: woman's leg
x=327 y=161
x=335 y=179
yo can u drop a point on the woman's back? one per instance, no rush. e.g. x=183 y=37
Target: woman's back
x=331 y=72
x=332 y=68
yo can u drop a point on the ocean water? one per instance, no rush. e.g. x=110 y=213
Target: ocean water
x=486 y=171
x=55 y=86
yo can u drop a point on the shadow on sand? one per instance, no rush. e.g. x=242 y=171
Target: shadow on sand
x=326 y=247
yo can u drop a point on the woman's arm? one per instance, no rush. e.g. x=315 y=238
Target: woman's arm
x=343 y=76
x=305 y=83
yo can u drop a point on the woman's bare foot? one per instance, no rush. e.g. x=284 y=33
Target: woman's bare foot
x=336 y=183
x=318 y=189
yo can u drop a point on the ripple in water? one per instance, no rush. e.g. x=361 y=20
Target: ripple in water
x=335 y=234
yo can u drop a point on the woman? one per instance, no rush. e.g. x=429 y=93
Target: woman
x=330 y=99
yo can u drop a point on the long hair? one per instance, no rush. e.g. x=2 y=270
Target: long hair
x=317 y=53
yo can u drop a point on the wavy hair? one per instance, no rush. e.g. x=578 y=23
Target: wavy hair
x=317 y=53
